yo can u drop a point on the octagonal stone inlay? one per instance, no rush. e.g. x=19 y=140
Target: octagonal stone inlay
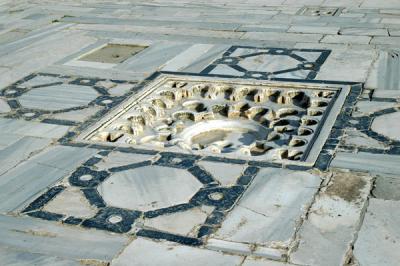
x=149 y=188
x=387 y=125
x=58 y=97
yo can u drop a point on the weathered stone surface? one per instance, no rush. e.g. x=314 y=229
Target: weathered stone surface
x=381 y=125
x=49 y=238
x=146 y=252
x=378 y=241
x=270 y=209
x=226 y=174
x=333 y=221
x=387 y=188
x=149 y=188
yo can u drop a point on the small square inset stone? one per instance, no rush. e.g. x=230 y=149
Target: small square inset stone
x=319 y=11
x=113 y=53
x=254 y=120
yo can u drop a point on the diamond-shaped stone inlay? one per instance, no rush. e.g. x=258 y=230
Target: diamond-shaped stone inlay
x=149 y=188
x=247 y=119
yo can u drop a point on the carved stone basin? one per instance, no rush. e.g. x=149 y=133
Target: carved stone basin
x=221 y=135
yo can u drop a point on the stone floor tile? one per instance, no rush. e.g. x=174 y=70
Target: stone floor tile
x=346 y=39
x=367 y=107
x=362 y=161
x=20 y=151
x=226 y=174
x=378 y=241
x=146 y=252
x=364 y=32
x=358 y=139
x=21 y=184
x=58 y=97
x=4 y=107
x=116 y=159
x=380 y=125
x=13 y=257
x=148 y=188
x=181 y=223
x=387 y=188
x=78 y=115
x=49 y=238
x=270 y=209
x=327 y=234
x=348 y=64
x=71 y=202
x=262 y=262
x=33 y=129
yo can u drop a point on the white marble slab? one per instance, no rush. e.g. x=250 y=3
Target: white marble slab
x=146 y=252
x=149 y=188
x=271 y=207
x=378 y=241
x=48 y=238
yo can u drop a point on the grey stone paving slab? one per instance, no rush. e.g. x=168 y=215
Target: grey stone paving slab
x=19 y=151
x=314 y=29
x=374 y=163
x=226 y=174
x=332 y=222
x=271 y=207
x=369 y=107
x=115 y=159
x=12 y=257
x=262 y=262
x=42 y=237
x=7 y=139
x=78 y=115
x=149 y=188
x=4 y=107
x=378 y=241
x=356 y=138
x=58 y=97
x=32 y=129
x=380 y=125
x=142 y=252
x=286 y=37
x=364 y=31
x=21 y=184
x=346 y=39
x=387 y=188
x=153 y=57
x=181 y=223
x=71 y=202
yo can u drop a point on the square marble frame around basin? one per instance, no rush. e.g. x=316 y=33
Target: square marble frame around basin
x=308 y=157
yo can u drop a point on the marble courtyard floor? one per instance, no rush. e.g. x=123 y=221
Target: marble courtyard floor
x=186 y=132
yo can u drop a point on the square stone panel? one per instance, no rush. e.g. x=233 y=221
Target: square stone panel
x=113 y=53
x=247 y=119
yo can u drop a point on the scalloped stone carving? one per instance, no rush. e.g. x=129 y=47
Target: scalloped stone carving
x=248 y=119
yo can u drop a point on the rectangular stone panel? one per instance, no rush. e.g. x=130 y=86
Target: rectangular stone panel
x=253 y=120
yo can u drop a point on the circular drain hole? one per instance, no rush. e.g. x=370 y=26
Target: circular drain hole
x=86 y=177
x=11 y=91
x=106 y=101
x=29 y=114
x=216 y=196
x=176 y=160
x=114 y=219
x=279 y=51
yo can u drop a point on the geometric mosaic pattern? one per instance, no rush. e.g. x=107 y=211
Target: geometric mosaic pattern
x=208 y=194
x=268 y=63
x=45 y=97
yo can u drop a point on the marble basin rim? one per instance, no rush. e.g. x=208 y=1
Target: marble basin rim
x=334 y=108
